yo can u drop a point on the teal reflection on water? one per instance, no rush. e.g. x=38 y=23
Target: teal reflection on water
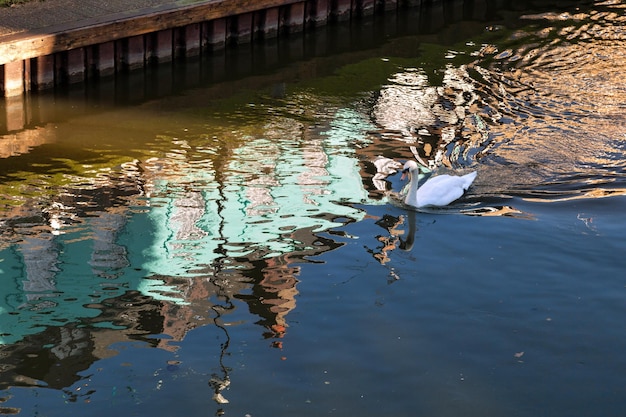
x=55 y=279
x=192 y=216
x=271 y=188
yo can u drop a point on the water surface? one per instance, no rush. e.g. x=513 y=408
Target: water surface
x=222 y=243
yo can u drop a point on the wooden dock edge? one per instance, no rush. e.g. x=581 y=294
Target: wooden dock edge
x=101 y=47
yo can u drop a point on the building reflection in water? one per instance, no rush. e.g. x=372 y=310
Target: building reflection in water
x=159 y=247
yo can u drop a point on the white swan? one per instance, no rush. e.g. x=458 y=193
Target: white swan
x=436 y=191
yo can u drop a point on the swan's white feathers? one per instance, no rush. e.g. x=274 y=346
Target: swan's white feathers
x=437 y=191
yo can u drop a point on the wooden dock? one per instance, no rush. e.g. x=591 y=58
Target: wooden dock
x=84 y=51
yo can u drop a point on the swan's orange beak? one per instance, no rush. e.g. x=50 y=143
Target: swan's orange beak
x=405 y=173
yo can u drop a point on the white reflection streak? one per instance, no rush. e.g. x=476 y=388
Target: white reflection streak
x=40 y=264
x=186 y=205
x=258 y=189
x=311 y=179
x=107 y=254
x=188 y=209
x=405 y=105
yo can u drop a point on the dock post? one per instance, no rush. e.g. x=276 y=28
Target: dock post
x=214 y=34
x=187 y=41
x=42 y=72
x=389 y=5
x=266 y=23
x=105 y=62
x=342 y=9
x=292 y=18
x=75 y=65
x=160 y=46
x=366 y=7
x=317 y=12
x=131 y=53
x=12 y=77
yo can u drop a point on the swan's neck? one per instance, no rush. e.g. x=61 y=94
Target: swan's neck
x=411 y=196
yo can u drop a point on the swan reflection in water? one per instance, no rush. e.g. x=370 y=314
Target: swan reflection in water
x=395 y=237
x=400 y=231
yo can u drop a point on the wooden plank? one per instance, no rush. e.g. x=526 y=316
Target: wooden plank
x=122 y=25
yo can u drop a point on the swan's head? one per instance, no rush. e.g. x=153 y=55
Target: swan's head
x=409 y=167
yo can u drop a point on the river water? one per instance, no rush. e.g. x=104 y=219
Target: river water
x=217 y=239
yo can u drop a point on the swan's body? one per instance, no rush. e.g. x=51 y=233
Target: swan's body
x=436 y=191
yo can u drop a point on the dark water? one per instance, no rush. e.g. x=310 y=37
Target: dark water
x=216 y=240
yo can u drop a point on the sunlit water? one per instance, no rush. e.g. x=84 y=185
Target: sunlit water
x=230 y=249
